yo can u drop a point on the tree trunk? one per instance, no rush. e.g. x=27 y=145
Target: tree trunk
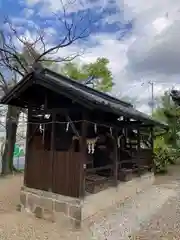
x=12 y=118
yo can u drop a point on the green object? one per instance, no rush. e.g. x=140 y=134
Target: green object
x=18 y=152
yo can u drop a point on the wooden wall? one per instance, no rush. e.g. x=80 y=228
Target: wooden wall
x=60 y=174
x=60 y=170
x=56 y=171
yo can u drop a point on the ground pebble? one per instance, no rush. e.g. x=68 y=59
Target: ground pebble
x=154 y=214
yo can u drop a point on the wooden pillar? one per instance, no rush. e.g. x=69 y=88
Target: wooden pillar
x=28 y=132
x=152 y=148
x=115 y=159
x=83 y=151
x=52 y=150
x=138 y=149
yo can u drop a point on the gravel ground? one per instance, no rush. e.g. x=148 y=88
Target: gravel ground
x=154 y=214
x=19 y=226
x=163 y=225
x=9 y=193
x=131 y=215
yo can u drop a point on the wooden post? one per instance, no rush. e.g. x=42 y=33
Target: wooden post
x=83 y=148
x=115 y=158
x=52 y=150
x=27 y=142
x=138 y=149
x=152 y=148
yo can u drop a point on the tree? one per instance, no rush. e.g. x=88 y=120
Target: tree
x=98 y=71
x=169 y=112
x=166 y=147
x=16 y=60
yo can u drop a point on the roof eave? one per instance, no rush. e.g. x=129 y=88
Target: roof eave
x=23 y=84
x=46 y=70
x=41 y=78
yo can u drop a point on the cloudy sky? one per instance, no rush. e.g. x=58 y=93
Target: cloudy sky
x=140 y=38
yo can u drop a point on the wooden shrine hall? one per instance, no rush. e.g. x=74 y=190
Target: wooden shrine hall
x=80 y=141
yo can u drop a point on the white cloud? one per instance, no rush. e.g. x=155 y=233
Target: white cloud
x=108 y=46
x=104 y=45
x=144 y=108
x=154 y=54
x=32 y=2
x=155 y=49
x=53 y=6
x=161 y=23
x=28 y=12
x=151 y=53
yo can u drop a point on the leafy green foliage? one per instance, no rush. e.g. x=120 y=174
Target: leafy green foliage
x=166 y=147
x=161 y=155
x=103 y=80
x=170 y=113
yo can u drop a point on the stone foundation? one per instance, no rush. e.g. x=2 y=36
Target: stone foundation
x=50 y=206
x=73 y=212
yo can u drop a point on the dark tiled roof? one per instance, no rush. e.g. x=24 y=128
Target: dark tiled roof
x=98 y=99
x=60 y=78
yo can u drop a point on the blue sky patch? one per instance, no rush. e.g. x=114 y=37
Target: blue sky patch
x=29 y=16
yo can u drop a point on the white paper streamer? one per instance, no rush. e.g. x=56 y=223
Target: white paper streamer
x=95 y=128
x=67 y=127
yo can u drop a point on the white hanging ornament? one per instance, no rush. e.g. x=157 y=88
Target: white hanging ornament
x=89 y=148
x=67 y=127
x=44 y=133
x=91 y=145
x=119 y=141
x=40 y=128
x=95 y=128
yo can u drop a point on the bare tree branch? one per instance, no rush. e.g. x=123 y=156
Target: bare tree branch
x=18 y=55
x=71 y=31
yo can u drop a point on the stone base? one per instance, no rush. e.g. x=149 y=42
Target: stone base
x=50 y=206
x=71 y=212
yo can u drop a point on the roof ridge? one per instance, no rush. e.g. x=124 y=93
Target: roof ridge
x=86 y=87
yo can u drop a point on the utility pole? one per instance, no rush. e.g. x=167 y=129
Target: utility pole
x=151 y=83
x=152 y=96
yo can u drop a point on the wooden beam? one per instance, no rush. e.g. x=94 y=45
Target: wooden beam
x=119 y=124
x=27 y=154
x=115 y=158
x=138 y=149
x=83 y=148
x=114 y=123
x=152 y=149
x=62 y=110
x=93 y=170
x=52 y=150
